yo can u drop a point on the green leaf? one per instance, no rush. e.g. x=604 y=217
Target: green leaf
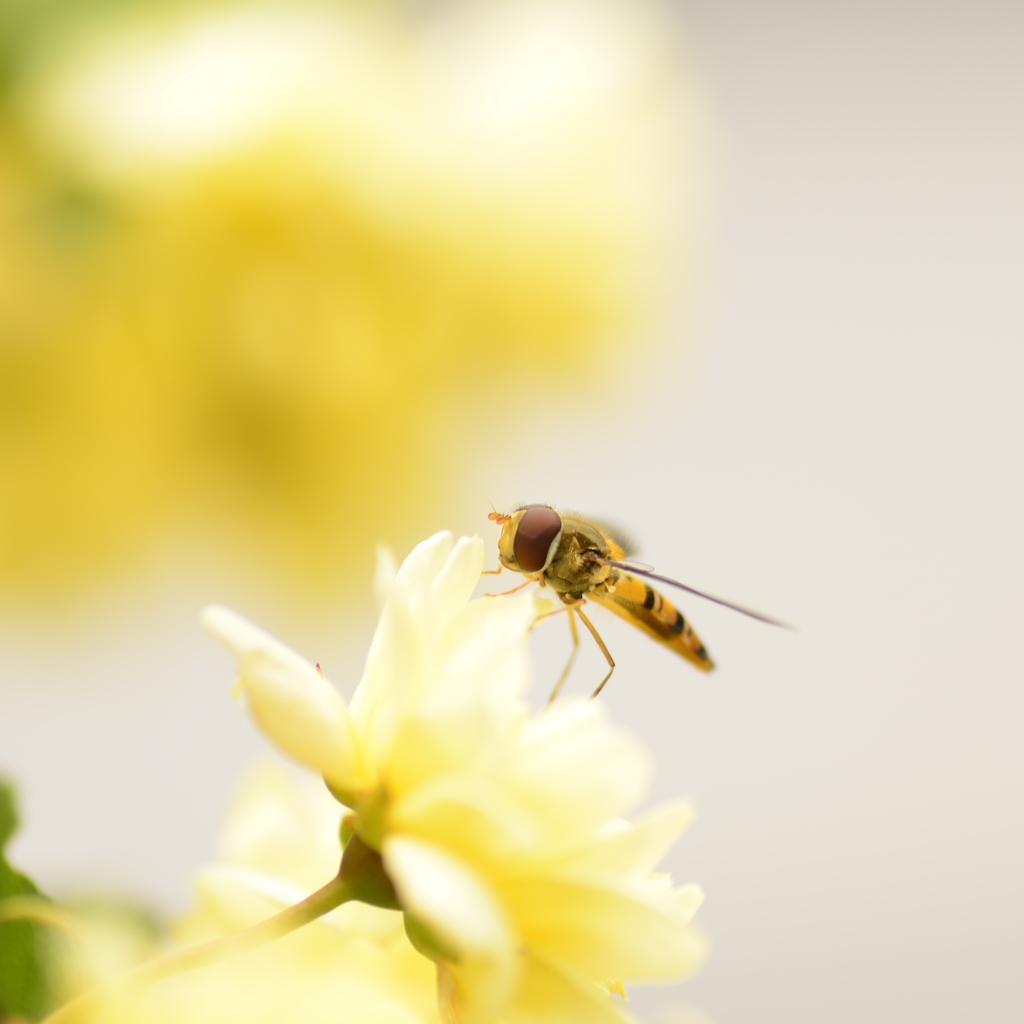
x=26 y=984
x=8 y=815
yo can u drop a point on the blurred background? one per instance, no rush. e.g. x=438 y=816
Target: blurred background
x=280 y=282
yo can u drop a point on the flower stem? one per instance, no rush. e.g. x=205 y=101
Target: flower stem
x=332 y=895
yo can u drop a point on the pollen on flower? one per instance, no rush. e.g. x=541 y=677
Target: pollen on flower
x=499 y=829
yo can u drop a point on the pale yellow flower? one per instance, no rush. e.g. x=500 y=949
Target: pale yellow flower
x=252 y=252
x=279 y=843
x=500 y=830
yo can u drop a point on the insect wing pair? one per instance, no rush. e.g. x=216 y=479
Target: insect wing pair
x=581 y=560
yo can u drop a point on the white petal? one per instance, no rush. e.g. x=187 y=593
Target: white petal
x=447 y=896
x=471 y=815
x=454 y=584
x=467 y=697
x=635 y=849
x=577 y=769
x=394 y=664
x=482 y=650
x=605 y=932
x=436 y=657
x=685 y=901
x=550 y=995
x=430 y=741
x=384 y=575
x=246 y=640
x=424 y=562
x=285 y=822
x=294 y=706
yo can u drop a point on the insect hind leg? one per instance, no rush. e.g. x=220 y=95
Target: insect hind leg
x=572 y=657
x=604 y=650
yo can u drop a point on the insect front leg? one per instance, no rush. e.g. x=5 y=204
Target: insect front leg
x=604 y=650
x=504 y=593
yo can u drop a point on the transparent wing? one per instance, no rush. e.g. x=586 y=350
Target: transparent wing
x=645 y=571
x=632 y=565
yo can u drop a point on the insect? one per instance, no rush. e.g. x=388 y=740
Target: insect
x=581 y=560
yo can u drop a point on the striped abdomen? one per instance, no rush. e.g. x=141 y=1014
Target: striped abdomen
x=639 y=603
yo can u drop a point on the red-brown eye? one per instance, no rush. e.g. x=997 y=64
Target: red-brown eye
x=537 y=529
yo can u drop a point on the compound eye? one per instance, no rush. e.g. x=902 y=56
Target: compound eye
x=537 y=529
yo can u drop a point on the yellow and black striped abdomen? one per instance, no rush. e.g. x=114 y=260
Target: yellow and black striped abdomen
x=637 y=602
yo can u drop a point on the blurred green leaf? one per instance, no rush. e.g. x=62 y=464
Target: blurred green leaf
x=26 y=988
x=8 y=815
x=27 y=26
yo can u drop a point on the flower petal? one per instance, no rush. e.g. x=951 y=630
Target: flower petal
x=634 y=849
x=486 y=640
x=548 y=995
x=577 y=770
x=425 y=562
x=605 y=932
x=471 y=815
x=385 y=572
x=294 y=706
x=460 y=909
x=457 y=579
x=283 y=821
x=468 y=702
x=447 y=895
x=393 y=667
x=439 y=688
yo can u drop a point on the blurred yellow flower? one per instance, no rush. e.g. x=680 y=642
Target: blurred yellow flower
x=499 y=830
x=279 y=843
x=251 y=254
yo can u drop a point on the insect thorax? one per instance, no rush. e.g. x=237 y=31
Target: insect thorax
x=572 y=575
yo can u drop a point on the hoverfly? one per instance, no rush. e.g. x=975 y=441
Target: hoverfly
x=581 y=560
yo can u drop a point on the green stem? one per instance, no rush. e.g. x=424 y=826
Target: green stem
x=332 y=895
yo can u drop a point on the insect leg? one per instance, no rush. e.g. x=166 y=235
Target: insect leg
x=604 y=650
x=572 y=657
x=545 y=615
x=504 y=592
x=493 y=572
